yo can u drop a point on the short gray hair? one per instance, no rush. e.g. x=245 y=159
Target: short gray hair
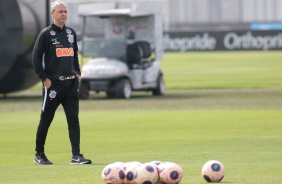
x=57 y=3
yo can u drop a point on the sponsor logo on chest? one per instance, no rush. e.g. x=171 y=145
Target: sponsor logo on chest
x=61 y=50
x=55 y=41
x=64 y=52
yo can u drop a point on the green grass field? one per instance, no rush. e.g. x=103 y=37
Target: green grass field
x=223 y=106
x=223 y=70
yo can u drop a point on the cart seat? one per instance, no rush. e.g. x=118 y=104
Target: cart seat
x=138 y=52
x=146 y=48
x=134 y=53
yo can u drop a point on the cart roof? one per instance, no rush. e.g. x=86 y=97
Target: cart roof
x=110 y=12
x=122 y=9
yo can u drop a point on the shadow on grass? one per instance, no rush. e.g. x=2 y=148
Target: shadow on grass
x=170 y=94
x=266 y=98
x=176 y=94
x=20 y=98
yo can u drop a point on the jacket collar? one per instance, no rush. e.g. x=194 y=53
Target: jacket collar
x=56 y=28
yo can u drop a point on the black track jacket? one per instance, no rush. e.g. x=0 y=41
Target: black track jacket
x=55 y=53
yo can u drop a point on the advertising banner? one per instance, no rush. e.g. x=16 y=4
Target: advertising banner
x=222 y=41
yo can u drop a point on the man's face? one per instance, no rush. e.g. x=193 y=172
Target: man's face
x=60 y=15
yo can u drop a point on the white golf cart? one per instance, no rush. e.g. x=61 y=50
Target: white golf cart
x=125 y=51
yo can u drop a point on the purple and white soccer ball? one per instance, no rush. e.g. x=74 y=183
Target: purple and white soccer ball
x=213 y=171
x=113 y=173
x=169 y=173
x=129 y=169
x=146 y=173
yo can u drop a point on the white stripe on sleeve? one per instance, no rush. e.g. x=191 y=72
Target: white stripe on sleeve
x=43 y=60
x=45 y=97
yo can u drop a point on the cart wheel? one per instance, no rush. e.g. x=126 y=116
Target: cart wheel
x=123 y=89
x=160 y=90
x=83 y=90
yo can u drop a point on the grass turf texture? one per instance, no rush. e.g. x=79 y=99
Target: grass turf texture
x=247 y=142
x=239 y=127
x=223 y=70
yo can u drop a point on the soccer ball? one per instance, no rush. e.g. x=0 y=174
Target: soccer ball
x=130 y=168
x=213 y=171
x=156 y=162
x=169 y=173
x=146 y=173
x=113 y=173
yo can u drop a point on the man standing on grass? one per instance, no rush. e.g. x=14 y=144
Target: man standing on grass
x=56 y=63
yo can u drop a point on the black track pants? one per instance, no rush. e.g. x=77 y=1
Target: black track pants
x=65 y=93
